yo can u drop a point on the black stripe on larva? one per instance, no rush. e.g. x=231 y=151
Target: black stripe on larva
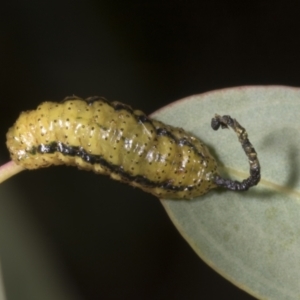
x=181 y=142
x=143 y=119
x=70 y=98
x=93 y=99
x=119 y=106
x=98 y=159
x=89 y=100
x=165 y=132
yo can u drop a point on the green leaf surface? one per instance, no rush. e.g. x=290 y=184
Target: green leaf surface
x=251 y=238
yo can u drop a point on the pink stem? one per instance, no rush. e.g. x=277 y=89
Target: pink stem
x=8 y=170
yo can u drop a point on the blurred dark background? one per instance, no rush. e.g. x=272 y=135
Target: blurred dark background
x=116 y=242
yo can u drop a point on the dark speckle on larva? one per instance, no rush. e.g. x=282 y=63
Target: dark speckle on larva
x=111 y=138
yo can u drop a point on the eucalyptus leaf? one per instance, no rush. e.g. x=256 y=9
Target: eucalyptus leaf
x=251 y=238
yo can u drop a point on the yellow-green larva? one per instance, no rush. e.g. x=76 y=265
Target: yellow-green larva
x=111 y=138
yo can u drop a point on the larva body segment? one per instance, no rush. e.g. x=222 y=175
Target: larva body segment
x=111 y=138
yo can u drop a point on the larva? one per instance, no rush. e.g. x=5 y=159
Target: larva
x=111 y=138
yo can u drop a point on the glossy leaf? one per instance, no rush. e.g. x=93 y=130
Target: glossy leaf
x=251 y=238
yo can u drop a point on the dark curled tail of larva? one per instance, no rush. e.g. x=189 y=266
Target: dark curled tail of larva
x=254 y=178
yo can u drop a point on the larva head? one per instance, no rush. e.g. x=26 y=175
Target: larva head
x=20 y=139
x=23 y=138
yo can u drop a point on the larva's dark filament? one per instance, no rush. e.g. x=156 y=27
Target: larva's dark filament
x=113 y=139
x=254 y=177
